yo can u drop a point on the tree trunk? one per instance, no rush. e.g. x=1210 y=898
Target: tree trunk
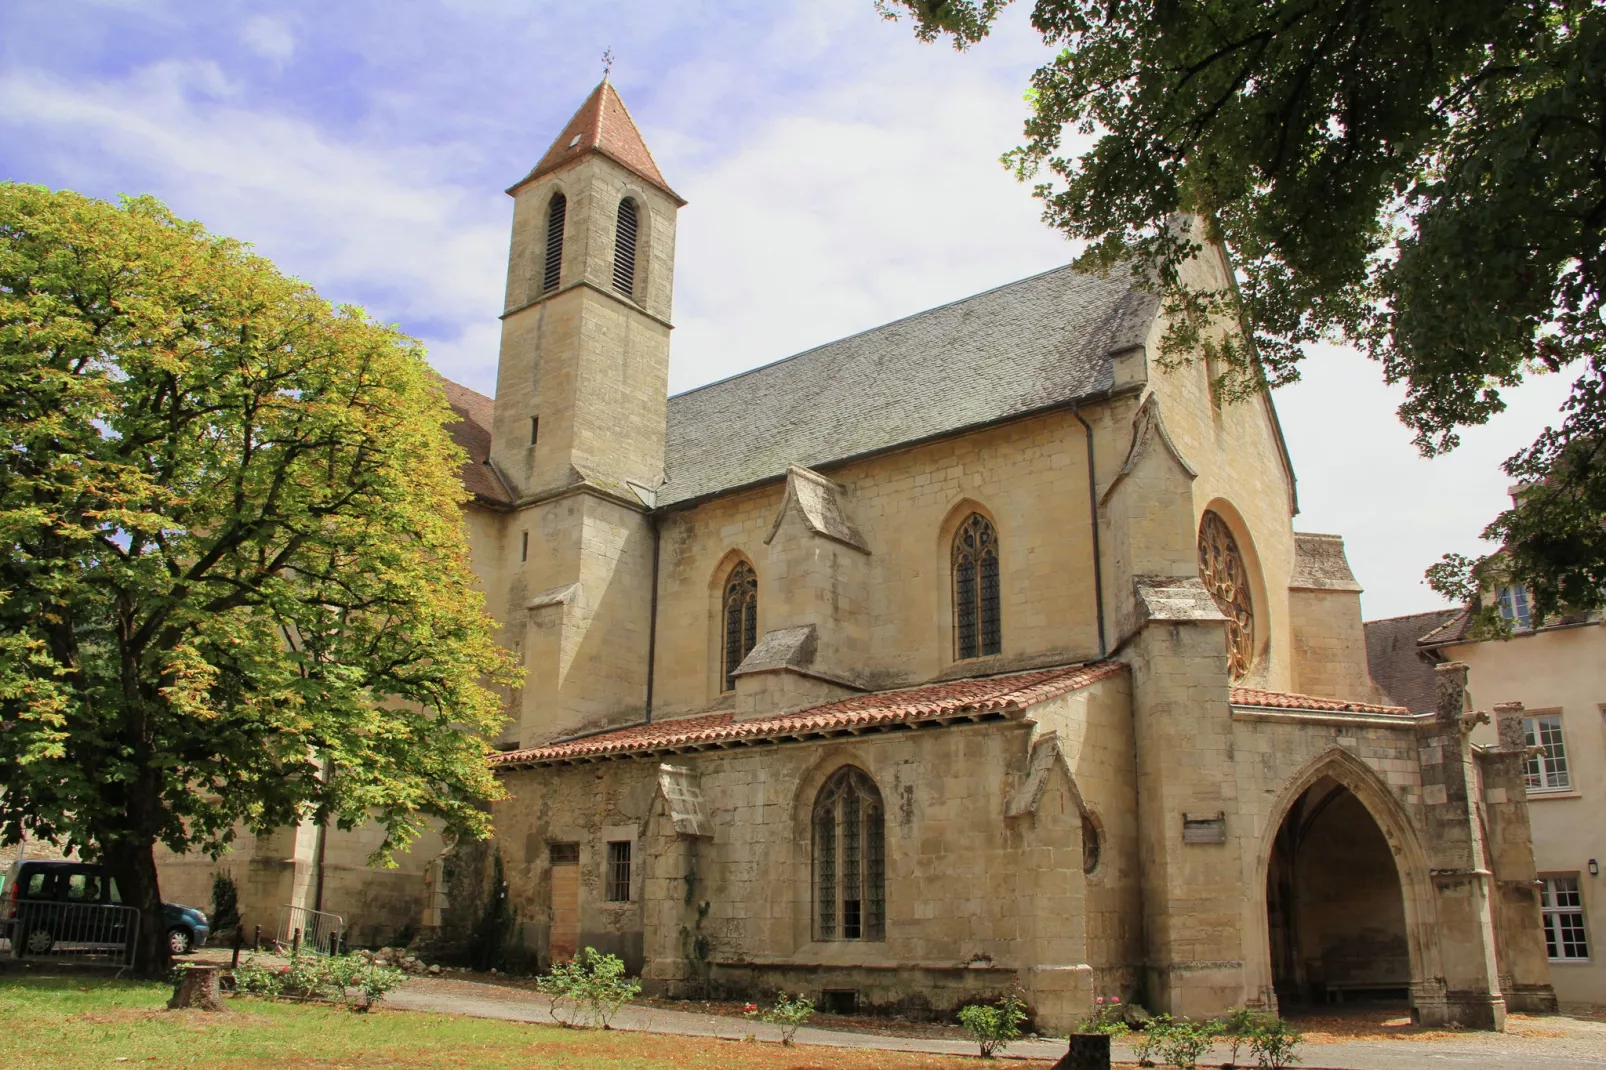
x=133 y=866
x=197 y=986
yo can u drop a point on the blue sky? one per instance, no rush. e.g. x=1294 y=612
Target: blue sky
x=840 y=174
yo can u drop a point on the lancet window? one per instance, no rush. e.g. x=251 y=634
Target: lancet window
x=1221 y=567
x=850 y=859
x=624 y=249
x=741 y=619
x=977 y=631
x=557 y=209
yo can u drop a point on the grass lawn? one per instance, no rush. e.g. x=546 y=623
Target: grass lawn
x=63 y=1023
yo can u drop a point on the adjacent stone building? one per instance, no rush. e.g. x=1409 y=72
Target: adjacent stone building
x=972 y=651
x=1548 y=681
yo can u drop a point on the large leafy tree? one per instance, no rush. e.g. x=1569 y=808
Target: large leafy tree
x=1424 y=179
x=233 y=576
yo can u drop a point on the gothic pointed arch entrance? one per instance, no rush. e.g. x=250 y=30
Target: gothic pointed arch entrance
x=1347 y=897
x=1334 y=908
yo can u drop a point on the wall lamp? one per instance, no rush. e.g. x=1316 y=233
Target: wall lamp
x=1594 y=868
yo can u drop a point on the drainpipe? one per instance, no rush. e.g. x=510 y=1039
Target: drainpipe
x=318 y=853
x=652 y=618
x=1093 y=519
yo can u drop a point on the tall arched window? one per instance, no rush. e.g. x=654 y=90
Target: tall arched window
x=1221 y=567
x=556 y=210
x=976 y=619
x=624 y=249
x=741 y=619
x=850 y=859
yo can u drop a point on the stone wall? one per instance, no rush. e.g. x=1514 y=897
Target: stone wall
x=985 y=881
x=1556 y=672
x=1029 y=478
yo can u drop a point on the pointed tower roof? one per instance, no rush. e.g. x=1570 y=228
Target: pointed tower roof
x=602 y=124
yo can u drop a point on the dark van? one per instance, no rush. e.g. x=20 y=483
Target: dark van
x=46 y=902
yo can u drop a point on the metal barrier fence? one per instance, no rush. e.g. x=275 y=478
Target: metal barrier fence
x=93 y=934
x=311 y=930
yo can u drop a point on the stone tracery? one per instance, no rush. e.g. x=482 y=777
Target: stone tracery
x=1221 y=567
x=741 y=619
x=849 y=858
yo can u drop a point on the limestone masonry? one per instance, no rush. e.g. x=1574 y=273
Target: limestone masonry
x=973 y=651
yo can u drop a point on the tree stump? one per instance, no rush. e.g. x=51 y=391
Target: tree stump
x=196 y=986
x=1088 y=1051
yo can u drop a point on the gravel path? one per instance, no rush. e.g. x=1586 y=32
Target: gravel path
x=1551 y=1043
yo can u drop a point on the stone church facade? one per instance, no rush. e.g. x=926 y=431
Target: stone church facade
x=972 y=651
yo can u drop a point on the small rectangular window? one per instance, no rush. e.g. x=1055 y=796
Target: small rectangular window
x=619 y=871
x=524 y=547
x=535 y=429
x=1563 y=911
x=565 y=854
x=1547 y=767
x=1514 y=606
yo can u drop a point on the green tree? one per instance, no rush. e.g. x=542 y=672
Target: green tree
x=1424 y=179
x=233 y=575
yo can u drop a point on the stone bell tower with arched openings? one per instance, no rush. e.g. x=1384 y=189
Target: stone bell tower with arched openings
x=578 y=431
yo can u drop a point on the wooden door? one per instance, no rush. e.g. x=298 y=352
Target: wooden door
x=565 y=939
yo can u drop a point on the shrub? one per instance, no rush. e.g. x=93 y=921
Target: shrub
x=317 y=977
x=1178 y=1041
x=787 y=1013
x=257 y=979
x=593 y=984
x=1107 y=1018
x=1236 y=1027
x=1273 y=1042
x=1184 y=1041
x=994 y=1027
x=225 y=915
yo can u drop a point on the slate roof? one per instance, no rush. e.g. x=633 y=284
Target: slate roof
x=1043 y=341
x=1286 y=700
x=965 y=700
x=472 y=431
x=1396 y=660
x=603 y=124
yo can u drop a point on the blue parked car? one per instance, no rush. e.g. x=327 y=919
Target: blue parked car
x=36 y=910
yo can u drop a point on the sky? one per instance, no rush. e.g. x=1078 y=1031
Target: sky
x=839 y=174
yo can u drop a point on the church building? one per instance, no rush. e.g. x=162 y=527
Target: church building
x=972 y=651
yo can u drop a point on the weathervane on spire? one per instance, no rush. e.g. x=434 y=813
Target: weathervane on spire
x=607 y=63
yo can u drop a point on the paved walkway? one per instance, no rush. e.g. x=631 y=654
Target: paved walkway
x=1533 y=1044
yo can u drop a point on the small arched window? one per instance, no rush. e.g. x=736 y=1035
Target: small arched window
x=624 y=249
x=741 y=619
x=555 y=213
x=977 y=631
x=850 y=859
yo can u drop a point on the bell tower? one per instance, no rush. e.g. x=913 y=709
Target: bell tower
x=582 y=383
x=578 y=427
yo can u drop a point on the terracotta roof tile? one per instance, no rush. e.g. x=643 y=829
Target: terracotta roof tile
x=993 y=694
x=472 y=431
x=1284 y=700
x=602 y=124
x=1451 y=631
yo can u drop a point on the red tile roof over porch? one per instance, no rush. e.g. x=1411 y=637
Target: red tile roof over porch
x=985 y=697
x=1285 y=700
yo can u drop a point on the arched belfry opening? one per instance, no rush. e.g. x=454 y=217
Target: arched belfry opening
x=1334 y=904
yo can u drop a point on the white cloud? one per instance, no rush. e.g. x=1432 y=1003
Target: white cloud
x=269 y=38
x=840 y=175
x=376 y=224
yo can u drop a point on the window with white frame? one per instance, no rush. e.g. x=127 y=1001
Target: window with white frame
x=1547 y=765
x=1563 y=909
x=1514 y=606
